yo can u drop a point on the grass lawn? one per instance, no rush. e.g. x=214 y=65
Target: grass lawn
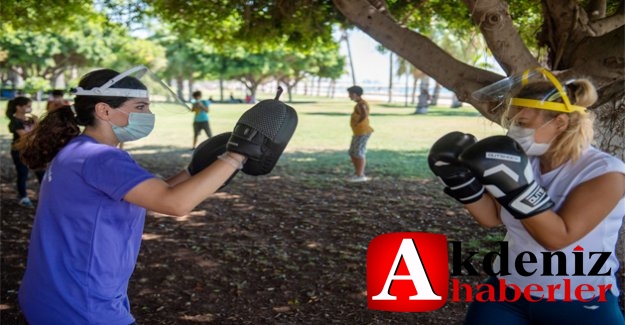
x=397 y=148
x=286 y=248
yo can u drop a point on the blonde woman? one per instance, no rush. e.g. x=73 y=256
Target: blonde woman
x=560 y=199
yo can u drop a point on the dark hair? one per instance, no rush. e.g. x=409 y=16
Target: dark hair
x=14 y=103
x=58 y=127
x=57 y=92
x=355 y=90
x=197 y=93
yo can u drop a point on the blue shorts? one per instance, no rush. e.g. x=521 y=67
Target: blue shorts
x=523 y=312
x=358 y=147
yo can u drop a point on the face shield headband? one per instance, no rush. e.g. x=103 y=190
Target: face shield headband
x=106 y=90
x=565 y=106
x=498 y=90
x=157 y=90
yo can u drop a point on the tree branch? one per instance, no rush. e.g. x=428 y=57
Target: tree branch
x=461 y=78
x=494 y=21
x=603 y=26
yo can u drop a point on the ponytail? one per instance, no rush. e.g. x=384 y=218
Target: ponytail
x=11 y=109
x=54 y=131
x=59 y=126
x=581 y=92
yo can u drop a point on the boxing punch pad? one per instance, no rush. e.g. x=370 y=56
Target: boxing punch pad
x=207 y=152
x=262 y=133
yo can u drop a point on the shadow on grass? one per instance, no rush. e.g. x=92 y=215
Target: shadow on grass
x=348 y=114
x=321 y=164
x=408 y=112
x=452 y=112
x=310 y=164
x=297 y=102
x=336 y=163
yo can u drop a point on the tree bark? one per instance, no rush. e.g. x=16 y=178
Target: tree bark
x=495 y=24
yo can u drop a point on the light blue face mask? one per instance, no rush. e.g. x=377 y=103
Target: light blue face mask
x=139 y=126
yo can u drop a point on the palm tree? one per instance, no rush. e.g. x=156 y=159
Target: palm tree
x=345 y=37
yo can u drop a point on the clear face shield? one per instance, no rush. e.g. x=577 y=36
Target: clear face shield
x=169 y=109
x=157 y=91
x=554 y=100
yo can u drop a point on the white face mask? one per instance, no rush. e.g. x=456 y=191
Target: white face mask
x=139 y=126
x=525 y=138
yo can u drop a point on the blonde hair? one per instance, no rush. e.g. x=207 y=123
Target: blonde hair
x=579 y=132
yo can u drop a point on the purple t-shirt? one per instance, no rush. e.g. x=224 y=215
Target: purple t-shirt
x=85 y=239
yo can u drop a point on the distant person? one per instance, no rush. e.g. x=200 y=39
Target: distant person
x=235 y=100
x=200 y=121
x=361 y=130
x=21 y=122
x=56 y=100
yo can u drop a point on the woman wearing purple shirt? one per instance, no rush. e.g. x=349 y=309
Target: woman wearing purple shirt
x=87 y=230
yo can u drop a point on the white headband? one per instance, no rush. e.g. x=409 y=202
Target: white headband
x=106 y=91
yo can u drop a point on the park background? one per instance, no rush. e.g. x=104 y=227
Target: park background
x=289 y=248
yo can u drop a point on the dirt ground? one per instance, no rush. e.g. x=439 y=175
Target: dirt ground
x=277 y=249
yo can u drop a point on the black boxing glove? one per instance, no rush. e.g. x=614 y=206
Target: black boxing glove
x=261 y=134
x=502 y=166
x=207 y=152
x=443 y=161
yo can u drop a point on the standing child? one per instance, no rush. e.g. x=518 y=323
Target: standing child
x=21 y=122
x=200 y=121
x=361 y=132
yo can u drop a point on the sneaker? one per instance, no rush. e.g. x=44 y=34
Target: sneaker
x=358 y=179
x=26 y=202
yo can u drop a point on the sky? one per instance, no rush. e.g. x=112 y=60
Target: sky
x=369 y=64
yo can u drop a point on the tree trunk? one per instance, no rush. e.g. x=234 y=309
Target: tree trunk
x=406 y=94
x=319 y=86
x=190 y=85
x=221 y=87
x=455 y=103
x=414 y=89
x=349 y=54
x=610 y=127
x=435 y=95
x=424 y=96
x=180 y=86
x=390 y=77
x=610 y=120
x=289 y=91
